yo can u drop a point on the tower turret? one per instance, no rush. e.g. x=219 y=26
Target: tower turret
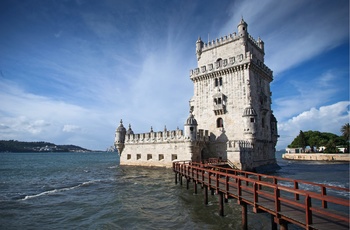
x=249 y=116
x=120 y=138
x=242 y=28
x=129 y=131
x=261 y=44
x=199 y=46
x=191 y=127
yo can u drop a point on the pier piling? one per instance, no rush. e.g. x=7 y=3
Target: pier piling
x=221 y=204
x=244 y=216
x=206 y=195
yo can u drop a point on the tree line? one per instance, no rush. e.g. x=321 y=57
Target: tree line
x=22 y=146
x=316 y=139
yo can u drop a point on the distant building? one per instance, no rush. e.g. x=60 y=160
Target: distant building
x=230 y=112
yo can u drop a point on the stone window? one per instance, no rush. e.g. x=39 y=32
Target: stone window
x=252 y=119
x=128 y=157
x=149 y=156
x=218 y=81
x=219 y=123
x=138 y=156
x=218 y=63
x=161 y=157
x=173 y=157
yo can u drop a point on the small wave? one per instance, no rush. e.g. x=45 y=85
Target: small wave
x=50 y=192
x=113 y=167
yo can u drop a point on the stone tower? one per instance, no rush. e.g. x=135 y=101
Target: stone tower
x=232 y=99
x=120 y=138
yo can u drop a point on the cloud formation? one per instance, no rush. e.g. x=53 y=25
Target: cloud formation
x=328 y=118
x=70 y=72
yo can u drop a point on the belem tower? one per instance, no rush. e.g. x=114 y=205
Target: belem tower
x=230 y=112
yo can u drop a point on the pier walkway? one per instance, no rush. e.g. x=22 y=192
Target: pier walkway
x=305 y=204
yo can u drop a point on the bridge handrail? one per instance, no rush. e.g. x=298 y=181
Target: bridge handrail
x=275 y=178
x=216 y=175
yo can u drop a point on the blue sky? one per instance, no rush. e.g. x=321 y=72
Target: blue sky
x=70 y=70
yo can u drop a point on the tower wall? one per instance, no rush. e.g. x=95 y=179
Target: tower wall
x=230 y=77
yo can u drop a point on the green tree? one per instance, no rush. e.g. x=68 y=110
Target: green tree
x=345 y=130
x=299 y=141
x=317 y=139
x=331 y=146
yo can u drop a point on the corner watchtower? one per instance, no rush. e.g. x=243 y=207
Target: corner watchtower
x=242 y=28
x=120 y=138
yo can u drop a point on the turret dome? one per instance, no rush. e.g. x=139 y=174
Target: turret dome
x=191 y=120
x=249 y=111
x=129 y=132
x=121 y=127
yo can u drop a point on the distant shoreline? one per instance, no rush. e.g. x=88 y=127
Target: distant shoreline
x=344 y=157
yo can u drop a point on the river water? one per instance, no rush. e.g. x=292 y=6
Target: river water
x=91 y=191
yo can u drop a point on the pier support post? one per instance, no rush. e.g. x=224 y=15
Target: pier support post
x=244 y=216
x=187 y=183
x=273 y=223
x=180 y=178
x=283 y=225
x=221 y=204
x=206 y=194
x=175 y=178
x=195 y=187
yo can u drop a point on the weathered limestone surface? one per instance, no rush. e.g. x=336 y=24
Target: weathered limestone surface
x=316 y=157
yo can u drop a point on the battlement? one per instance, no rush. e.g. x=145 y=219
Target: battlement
x=228 y=63
x=164 y=137
x=231 y=38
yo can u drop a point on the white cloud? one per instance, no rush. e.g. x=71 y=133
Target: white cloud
x=104 y=67
x=328 y=118
x=28 y=117
x=293 y=31
x=304 y=94
x=71 y=128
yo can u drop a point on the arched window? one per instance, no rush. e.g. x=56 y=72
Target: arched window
x=219 y=100
x=219 y=123
x=216 y=82
x=220 y=81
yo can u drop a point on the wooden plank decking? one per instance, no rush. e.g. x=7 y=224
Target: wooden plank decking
x=313 y=208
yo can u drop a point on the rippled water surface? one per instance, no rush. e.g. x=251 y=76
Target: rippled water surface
x=91 y=191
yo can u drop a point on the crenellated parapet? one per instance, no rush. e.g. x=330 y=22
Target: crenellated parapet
x=165 y=136
x=231 y=64
x=222 y=64
x=231 y=38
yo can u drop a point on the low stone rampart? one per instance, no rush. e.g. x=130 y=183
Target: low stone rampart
x=316 y=156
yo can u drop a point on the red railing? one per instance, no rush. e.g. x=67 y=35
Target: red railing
x=295 y=201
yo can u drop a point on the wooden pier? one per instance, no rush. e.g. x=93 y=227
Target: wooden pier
x=305 y=204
